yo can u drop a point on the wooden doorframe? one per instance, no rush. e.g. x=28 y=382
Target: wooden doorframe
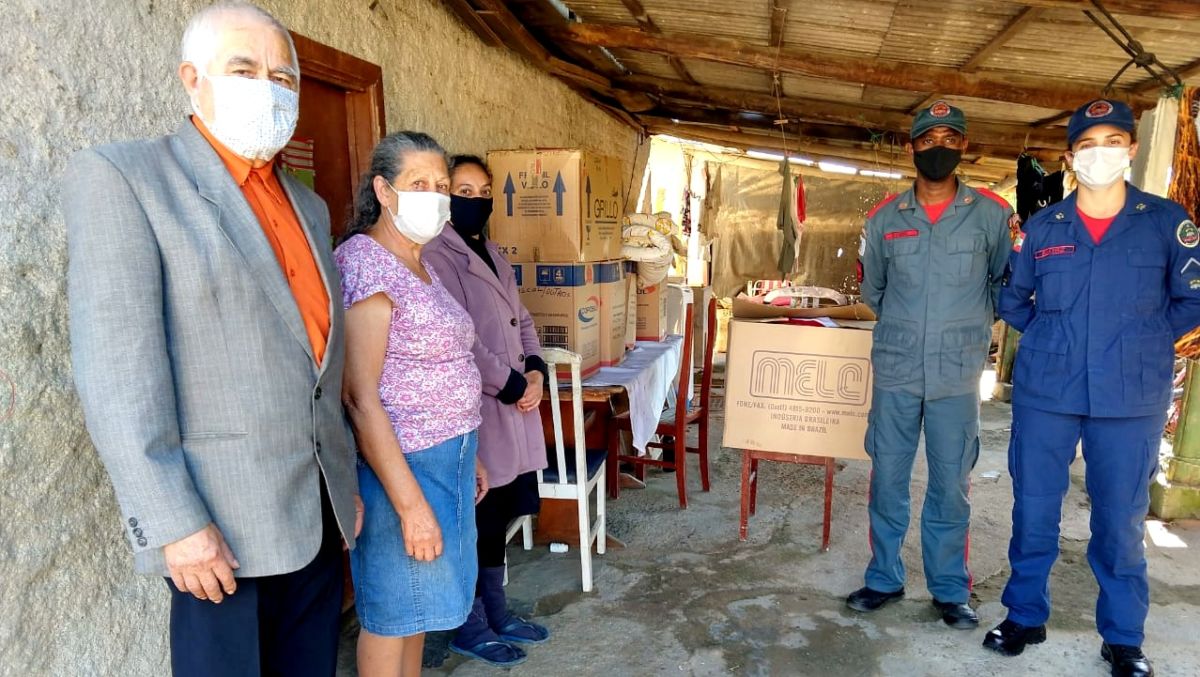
x=363 y=82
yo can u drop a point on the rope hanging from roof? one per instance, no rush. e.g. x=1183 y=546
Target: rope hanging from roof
x=1138 y=56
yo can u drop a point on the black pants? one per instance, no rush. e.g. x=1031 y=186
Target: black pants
x=273 y=625
x=499 y=507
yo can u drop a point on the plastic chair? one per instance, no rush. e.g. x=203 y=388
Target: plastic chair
x=673 y=425
x=563 y=478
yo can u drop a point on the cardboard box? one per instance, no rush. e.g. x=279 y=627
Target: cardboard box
x=614 y=302
x=679 y=297
x=556 y=205
x=631 y=290
x=652 y=312
x=797 y=390
x=564 y=301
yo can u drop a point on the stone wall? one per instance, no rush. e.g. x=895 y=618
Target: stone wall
x=77 y=74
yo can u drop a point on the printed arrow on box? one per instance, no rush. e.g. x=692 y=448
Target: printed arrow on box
x=559 y=189
x=509 y=189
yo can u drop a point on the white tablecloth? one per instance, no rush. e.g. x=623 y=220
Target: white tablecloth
x=649 y=373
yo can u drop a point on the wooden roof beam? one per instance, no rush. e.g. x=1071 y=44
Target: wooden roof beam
x=1001 y=152
x=866 y=158
x=871 y=71
x=1010 y=30
x=1174 y=9
x=525 y=43
x=809 y=110
x=643 y=19
x=1018 y=23
x=471 y=18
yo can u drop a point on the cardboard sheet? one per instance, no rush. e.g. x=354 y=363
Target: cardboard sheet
x=746 y=309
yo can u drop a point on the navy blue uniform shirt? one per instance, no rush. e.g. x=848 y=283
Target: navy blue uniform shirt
x=1099 y=322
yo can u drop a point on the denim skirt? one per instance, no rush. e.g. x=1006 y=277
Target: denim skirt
x=395 y=595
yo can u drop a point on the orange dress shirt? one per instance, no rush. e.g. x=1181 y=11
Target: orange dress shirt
x=282 y=228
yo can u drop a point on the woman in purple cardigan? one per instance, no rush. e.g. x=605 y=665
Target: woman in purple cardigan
x=511 y=445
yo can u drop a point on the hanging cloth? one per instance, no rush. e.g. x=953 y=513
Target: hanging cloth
x=1035 y=188
x=786 y=221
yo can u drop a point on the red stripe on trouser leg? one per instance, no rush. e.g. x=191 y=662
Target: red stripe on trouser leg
x=967 y=549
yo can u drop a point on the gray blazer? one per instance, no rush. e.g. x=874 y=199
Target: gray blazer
x=191 y=359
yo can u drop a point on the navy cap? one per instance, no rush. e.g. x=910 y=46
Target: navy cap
x=939 y=114
x=1099 y=112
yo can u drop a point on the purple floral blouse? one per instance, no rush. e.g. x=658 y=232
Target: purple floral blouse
x=430 y=386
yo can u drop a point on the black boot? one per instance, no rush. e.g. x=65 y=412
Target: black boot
x=866 y=600
x=1009 y=638
x=507 y=625
x=1126 y=661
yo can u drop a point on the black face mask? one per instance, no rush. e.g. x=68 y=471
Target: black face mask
x=469 y=215
x=937 y=163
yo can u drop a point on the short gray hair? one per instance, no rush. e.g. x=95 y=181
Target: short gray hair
x=199 y=44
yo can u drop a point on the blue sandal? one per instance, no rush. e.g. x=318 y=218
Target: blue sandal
x=520 y=631
x=498 y=654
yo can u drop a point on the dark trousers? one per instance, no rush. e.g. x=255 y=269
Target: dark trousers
x=287 y=624
x=500 y=506
x=1120 y=457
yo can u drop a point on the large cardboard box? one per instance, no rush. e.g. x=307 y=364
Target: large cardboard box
x=564 y=300
x=631 y=313
x=614 y=302
x=796 y=389
x=556 y=205
x=652 y=312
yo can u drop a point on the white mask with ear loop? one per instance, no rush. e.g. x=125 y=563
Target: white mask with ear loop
x=420 y=216
x=253 y=118
x=1099 y=167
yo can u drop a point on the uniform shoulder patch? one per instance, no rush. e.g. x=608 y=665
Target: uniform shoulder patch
x=1187 y=234
x=883 y=203
x=987 y=193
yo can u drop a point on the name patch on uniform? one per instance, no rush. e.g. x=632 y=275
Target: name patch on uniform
x=1187 y=234
x=900 y=234
x=1060 y=250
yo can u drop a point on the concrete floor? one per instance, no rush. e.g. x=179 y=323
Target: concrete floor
x=685 y=597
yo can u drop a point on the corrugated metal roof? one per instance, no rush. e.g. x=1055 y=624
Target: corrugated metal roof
x=645 y=63
x=733 y=77
x=1053 y=45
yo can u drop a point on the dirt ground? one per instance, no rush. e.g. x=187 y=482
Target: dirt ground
x=685 y=597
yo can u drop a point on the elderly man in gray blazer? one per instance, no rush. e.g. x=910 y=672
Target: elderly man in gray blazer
x=207 y=340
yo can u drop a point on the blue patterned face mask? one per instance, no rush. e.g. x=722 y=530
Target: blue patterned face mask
x=253 y=118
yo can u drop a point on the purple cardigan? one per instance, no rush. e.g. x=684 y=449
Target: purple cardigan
x=510 y=443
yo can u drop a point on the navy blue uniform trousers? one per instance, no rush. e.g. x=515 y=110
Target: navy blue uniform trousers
x=951 y=447
x=1121 y=457
x=285 y=625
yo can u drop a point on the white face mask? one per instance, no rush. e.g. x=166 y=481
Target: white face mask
x=420 y=215
x=253 y=118
x=1099 y=167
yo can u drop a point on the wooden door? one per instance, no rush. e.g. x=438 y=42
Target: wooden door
x=341 y=116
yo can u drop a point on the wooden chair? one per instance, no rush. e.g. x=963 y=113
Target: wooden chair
x=674 y=425
x=577 y=475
